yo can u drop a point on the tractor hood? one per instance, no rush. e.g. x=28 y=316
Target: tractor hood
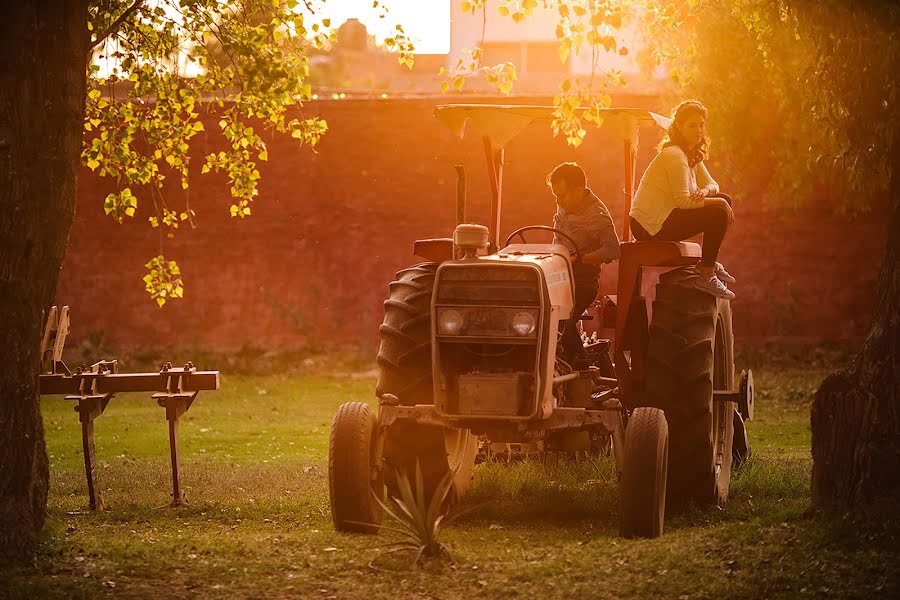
x=552 y=260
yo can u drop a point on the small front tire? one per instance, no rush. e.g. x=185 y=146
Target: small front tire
x=643 y=483
x=355 y=486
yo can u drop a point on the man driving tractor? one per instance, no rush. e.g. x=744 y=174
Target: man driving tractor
x=583 y=217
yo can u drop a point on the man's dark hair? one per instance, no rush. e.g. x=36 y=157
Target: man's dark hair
x=569 y=172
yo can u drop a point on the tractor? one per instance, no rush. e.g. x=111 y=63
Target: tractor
x=469 y=353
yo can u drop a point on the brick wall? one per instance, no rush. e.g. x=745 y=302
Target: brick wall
x=333 y=225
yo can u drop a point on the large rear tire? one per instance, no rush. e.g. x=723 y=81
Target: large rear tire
x=355 y=487
x=404 y=371
x=690 y=353
x=643 y=487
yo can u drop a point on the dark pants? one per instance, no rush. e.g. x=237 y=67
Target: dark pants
x=586 y=288
x=712 y=220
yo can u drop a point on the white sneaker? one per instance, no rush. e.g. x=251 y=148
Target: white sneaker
x=714 y=286
x=723 y=275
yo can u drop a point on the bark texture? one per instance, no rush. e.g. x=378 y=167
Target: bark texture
x=44 y=47
x=855 y=418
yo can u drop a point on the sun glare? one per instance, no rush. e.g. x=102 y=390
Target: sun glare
x=426 y=23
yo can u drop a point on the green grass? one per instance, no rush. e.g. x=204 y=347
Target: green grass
x=257 y=521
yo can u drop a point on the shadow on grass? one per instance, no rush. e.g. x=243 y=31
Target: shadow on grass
x=533 y=492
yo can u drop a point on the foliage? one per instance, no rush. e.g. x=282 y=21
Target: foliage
x=158 y=64
x=583 y=25
x=163 y=280
x=418 y=518
x=802 y=91
x=849 y=84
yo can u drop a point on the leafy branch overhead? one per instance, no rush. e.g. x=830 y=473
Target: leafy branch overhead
x=157 y=65
x=582 y=26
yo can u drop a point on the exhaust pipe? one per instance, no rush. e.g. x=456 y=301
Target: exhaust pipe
x=460 y=194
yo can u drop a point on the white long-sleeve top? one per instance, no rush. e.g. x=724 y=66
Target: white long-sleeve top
x=666 y=185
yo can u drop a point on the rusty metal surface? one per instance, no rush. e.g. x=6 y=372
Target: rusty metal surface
x=495 y=394
x=93 y=387
x=562 y=418
x=111 y=383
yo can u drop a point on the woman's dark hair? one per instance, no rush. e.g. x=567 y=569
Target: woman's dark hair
x=680 y=114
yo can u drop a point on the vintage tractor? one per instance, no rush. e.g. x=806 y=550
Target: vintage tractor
x=469 y=351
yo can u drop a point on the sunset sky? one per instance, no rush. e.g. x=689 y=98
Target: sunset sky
x=426 y=22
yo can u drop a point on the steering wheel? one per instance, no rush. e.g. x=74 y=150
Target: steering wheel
x=521 y=230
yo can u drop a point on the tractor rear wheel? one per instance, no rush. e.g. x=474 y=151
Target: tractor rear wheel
x=355 y=487
x=690 y=353
x=404 y=371
x=642 y=490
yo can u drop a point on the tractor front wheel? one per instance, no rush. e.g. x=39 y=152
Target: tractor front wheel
x=355 y=486
x=643 y=486
x=404 y=371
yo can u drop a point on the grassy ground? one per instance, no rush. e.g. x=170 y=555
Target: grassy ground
x=257 y=522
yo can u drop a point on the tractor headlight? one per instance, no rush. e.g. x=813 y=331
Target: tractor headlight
x=450 y=321
x=523 y=323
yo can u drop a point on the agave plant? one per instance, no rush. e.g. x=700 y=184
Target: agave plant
x=418 y=519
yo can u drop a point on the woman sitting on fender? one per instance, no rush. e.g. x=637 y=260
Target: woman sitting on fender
x=678 y=198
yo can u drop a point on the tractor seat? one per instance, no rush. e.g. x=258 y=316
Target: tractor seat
x=659 y=254
x=635 y=255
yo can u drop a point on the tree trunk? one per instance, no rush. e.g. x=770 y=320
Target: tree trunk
x=855 y=417
x=44 y=48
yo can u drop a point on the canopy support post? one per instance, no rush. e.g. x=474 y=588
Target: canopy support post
x=495 y=176
x=630 y=160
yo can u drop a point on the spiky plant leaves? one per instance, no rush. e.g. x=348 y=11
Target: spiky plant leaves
x=418 y=518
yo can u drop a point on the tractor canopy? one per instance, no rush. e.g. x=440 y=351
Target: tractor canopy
x=502 y=122
x=497 y=124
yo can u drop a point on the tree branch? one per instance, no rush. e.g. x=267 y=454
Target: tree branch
x=115 y=24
